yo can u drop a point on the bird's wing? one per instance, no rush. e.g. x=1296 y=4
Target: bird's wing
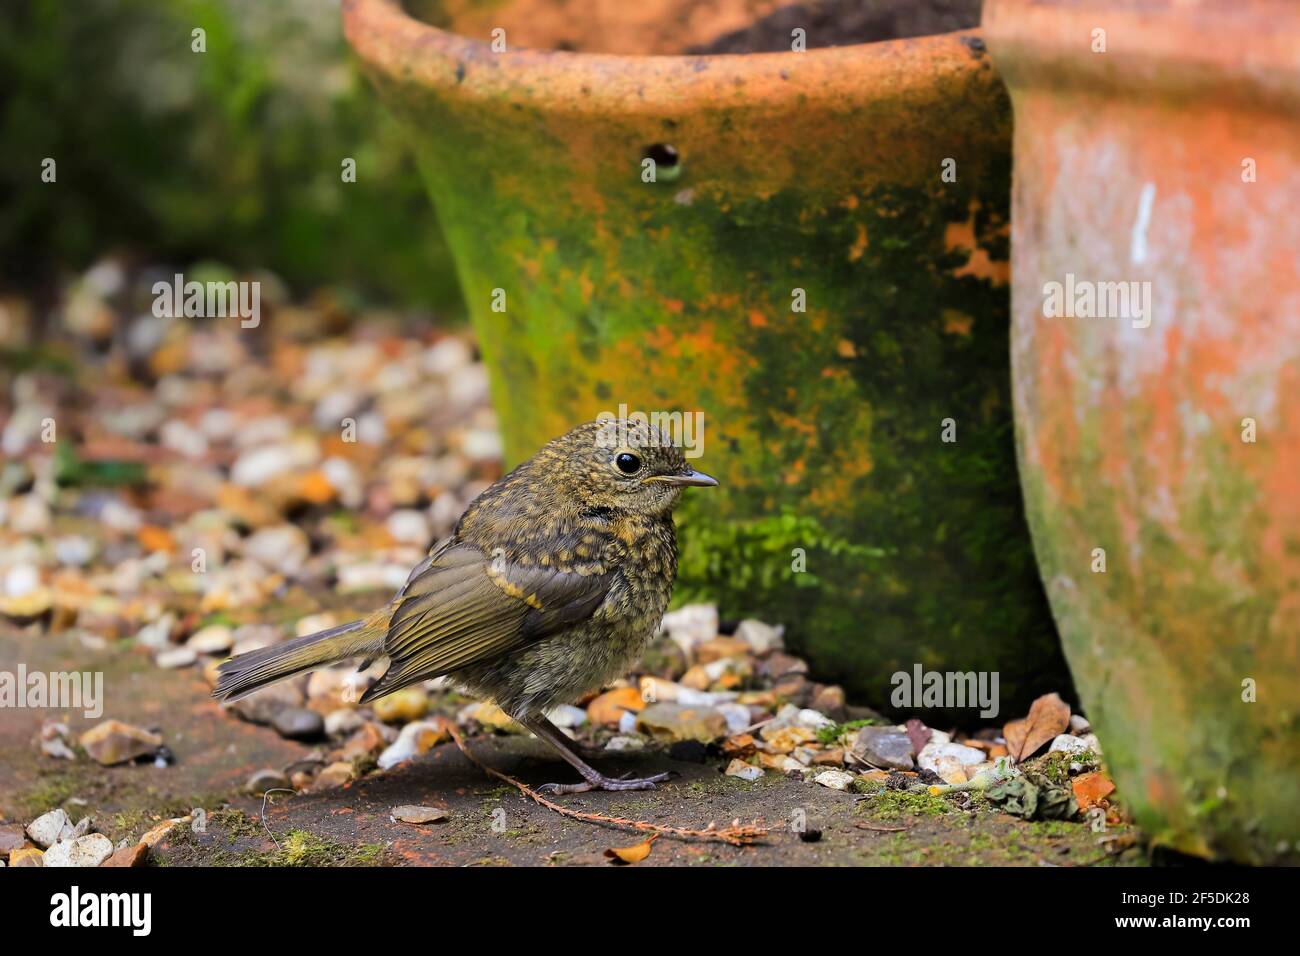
x=461 y=606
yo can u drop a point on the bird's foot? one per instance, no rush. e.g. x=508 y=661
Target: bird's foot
x=601 y=782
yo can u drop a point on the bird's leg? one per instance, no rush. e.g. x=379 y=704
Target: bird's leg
x=586 y=753
x=593 y=779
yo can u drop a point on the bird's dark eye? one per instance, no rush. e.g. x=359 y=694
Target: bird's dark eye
x=628 y=463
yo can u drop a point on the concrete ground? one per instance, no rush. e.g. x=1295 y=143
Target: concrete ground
x=488 y=823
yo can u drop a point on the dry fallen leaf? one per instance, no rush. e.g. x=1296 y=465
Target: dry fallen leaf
x=418 y=814
x=918 y=734
x=631 y=854
x=1092 y=788
x=1048 y=717
x=741 y=745
x=609 y=707
x=787 y=739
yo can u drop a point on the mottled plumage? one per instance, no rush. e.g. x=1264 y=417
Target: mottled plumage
x=551 y=584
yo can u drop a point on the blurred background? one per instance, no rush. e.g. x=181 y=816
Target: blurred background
x=335 y=439
x=232 y=157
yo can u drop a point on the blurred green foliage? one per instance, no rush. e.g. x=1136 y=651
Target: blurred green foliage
x=232 y=154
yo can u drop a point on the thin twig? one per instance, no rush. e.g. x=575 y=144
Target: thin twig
x=737 y=834
x=262 y=816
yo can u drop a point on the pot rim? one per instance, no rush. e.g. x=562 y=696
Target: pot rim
x=1239 y=50
x=408 y=51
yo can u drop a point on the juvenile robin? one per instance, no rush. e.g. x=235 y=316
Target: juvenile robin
x=551 y=585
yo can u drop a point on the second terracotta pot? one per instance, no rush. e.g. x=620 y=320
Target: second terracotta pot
x=1156 y=354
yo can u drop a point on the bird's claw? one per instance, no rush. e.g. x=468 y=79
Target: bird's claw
x=605 y=783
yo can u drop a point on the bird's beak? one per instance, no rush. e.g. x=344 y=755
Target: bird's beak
x=696 y=478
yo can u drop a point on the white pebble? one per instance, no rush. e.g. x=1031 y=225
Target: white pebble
x=762 y=638
x=834 y=779
x=691 y=625
x=46 y=829
x=409 y=526
x=933 y=754
x=214 y=639
x=176 y=657
x=407 y=744
x=1068 y=743
x=21 y=579
x=745 y=771
x=813 y=719
x=89 y=850
x=737 y=715
x=566 y=715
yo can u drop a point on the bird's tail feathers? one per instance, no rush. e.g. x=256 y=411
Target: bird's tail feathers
x=242 y=675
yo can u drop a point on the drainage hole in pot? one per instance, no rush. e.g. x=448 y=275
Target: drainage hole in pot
x=666 y=162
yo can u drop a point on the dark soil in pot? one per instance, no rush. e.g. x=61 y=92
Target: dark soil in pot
x=845 y=22
x=665 y=27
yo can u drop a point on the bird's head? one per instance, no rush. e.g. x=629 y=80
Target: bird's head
x=616 y=463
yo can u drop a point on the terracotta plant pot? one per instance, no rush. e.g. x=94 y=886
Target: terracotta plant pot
x=801 y=271
x=1172 y=158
